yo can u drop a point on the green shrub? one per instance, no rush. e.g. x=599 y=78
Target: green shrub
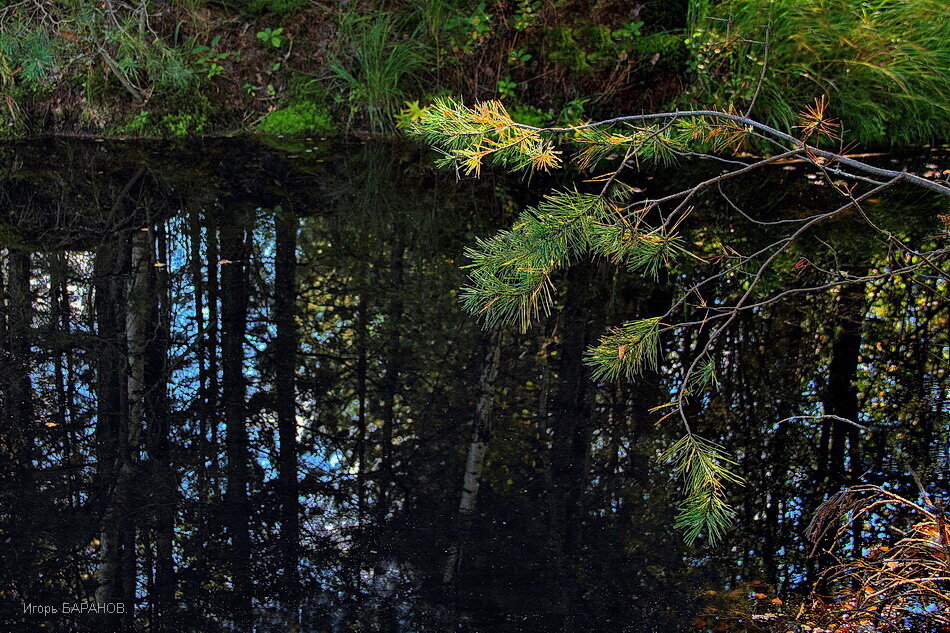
x=272 y=37
x=298 y=118
x=466 y=30
x=573 y=112
x=139 y=124
x=507 y=87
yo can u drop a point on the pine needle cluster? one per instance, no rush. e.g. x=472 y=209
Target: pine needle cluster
x=627 y=350
x=511 y=272
x=702 y=134
x=25 y=55
x=705 y=468
x=704 y=376
x=467 y=137
x=652 y=144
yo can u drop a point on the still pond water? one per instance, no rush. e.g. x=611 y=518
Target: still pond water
x=270 y=340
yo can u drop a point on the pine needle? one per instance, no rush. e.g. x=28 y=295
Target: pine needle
x=705 y=468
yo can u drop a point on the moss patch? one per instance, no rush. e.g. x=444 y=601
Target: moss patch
x=304 y=117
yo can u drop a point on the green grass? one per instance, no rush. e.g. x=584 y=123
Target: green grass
x=376 y=66
x=883 y=64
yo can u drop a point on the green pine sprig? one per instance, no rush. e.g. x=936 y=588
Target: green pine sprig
x=468 y=137
x=627 y=350
x=648 y=251
x=510 y=273
x=650 y=144
x=706 y=469
x=704 y=377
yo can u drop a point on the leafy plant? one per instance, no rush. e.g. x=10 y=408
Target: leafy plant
x=184 y=123
x=507 y=87
x=271 y=36
x=572 y=112
x=518 y=56
x=208 y=57
x=527 y=14
x=628 y=31
x=139 y=123
x=411 y=113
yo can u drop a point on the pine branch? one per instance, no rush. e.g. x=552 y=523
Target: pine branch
x=705 y=468
x=510 y=278
x=466 y=137
x=510 y=274
x=627 y=350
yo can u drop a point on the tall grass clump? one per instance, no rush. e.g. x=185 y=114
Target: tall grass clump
x=696 y=12
x=375 y=65
x=883 y=64
x=435 y=17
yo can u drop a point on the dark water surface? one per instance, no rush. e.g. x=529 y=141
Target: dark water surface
x=236 y=382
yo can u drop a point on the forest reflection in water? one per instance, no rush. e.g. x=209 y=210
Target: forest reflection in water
x=237 y=388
